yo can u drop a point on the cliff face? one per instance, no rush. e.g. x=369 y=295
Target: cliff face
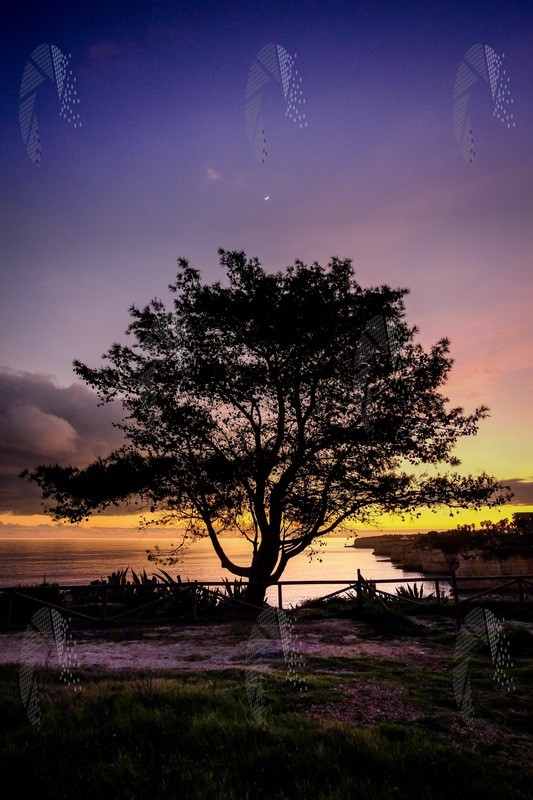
x=381 y=545
x=468 y=563
x=472 y=563
x=391 y=546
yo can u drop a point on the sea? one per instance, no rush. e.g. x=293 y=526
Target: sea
x=26 y=560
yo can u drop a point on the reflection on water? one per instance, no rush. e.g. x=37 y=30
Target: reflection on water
x=81 y=560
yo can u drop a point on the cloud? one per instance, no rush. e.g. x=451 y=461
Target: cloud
x=522 y=489
x=212 y=174
x=43 y=423
x=26 y=426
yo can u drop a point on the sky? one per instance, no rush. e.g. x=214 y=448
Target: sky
x=159 y=164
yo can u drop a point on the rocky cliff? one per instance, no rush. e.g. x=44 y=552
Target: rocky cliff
x=413 y=555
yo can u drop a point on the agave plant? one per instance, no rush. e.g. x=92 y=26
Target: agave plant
x=180 y=594
x=368 y=588
x=143 y=579
x=207 y=600
x=235 y=589
x=118 y=578
x=143 y=587
x=167 y=579
x=413 y=592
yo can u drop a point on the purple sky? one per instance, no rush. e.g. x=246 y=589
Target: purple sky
x=162 y=167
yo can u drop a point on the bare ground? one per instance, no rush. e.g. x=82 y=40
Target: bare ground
x=340 y=648
x=220 y=646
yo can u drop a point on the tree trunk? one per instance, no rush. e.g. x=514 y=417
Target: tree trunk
x=255 y=592
x=262 y=567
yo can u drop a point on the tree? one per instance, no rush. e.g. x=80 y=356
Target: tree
x=279 y=405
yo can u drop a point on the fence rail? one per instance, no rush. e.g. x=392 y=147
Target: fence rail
x=361 y=585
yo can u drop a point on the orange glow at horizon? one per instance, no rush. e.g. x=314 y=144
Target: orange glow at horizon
x=427 y=520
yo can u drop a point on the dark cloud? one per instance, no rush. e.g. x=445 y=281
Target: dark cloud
x=43 y=423
x=522 y=489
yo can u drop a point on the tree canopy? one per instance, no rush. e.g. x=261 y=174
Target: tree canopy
x=280 y=405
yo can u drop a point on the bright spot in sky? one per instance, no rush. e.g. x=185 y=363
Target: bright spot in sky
x=266 y=198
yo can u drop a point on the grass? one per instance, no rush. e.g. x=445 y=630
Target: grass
x=192 y=734
x=167 y=734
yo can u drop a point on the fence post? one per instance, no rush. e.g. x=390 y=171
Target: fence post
x=104 y=609
x=456 y=601
x=437 y=590
x=280 y=597
x=359 y=590
x=194 y=600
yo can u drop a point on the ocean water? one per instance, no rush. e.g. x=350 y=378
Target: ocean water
x=81 y=560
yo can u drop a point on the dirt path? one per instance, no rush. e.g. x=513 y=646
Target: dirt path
x=220 y=646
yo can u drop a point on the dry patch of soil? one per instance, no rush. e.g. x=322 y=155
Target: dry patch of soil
x=219 y=646
x=367 y=704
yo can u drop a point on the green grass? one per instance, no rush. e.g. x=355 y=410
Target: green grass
x=192 y=735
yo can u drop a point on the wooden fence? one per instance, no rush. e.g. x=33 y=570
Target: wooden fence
x=522 y=585
x=458 y=584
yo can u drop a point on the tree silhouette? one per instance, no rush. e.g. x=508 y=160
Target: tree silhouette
x=278 y=405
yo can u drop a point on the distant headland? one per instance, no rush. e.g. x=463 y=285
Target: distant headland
x=504 y=548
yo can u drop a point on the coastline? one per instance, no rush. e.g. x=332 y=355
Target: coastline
x=477 y=563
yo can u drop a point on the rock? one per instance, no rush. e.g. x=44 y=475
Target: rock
x=411 y=558
x=382 y=549
x=517 y=565
x=468 y=563
x=396 y=551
